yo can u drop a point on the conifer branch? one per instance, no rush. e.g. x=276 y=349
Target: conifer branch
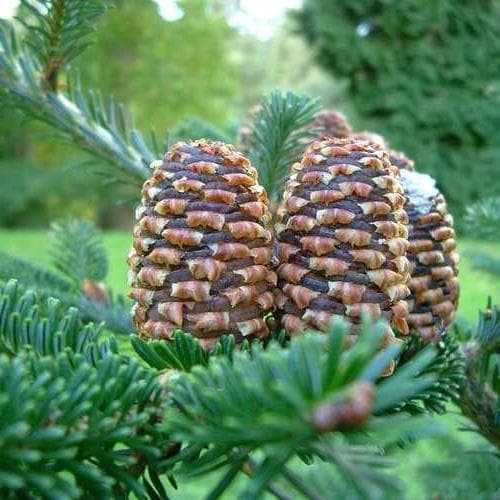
x=57 y=32
x=46 y=327
x=103 y=128
x=480 y=397
x=69 y=429
x=263 y=405
x=283 y=401
x=279 y=136
x=78 y=252
x=80 y=267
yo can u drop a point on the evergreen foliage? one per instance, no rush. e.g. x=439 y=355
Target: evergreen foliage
x=278 y=136
x=46 y=326
x=59 y=32
x=420 y=72
x=78 y=252
x=71 y=430
x=79 y=419
x=102 y=128
x=480 y=397
x=80 y=264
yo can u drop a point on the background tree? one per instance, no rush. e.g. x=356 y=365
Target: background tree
x=421 y=72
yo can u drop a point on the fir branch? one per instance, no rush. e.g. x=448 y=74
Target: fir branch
x=185 y=352
x=57 y=32
x=102 y=128
x=45 y=327
x=480 y=398
x=78 y=252
x=69 y=429
x=282 y=401
x=448 y=369
x=484 y=217
x=278 y=136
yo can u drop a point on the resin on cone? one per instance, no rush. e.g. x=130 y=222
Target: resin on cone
x=202 y=247
x=342 y=240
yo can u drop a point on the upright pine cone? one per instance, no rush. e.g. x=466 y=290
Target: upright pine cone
x=333 y=124
x=202 y=246
x=342 y=239
x=433 y=260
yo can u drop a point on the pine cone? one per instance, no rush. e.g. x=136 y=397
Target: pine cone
x=202 y=247
x=371 y=137
x=433 y=260
x=342 y=240
x=333 y=124
x=245 y=131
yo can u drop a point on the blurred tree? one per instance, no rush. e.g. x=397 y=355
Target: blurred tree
x=284 y=61
x=421 y=72
x=165 y=70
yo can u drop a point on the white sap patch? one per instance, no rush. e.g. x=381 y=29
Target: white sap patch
x=420 y=189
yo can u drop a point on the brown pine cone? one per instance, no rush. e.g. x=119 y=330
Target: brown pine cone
x=202 y=247
x=371 y=137
x=342 y=240
x=333 y=123
x=433 y=259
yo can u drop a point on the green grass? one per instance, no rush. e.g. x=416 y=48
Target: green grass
x=461 y=474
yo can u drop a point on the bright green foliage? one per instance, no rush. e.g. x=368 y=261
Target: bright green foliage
x=166 y=71
x=420 y=72
x=281 y=402
x=59 y=32
x=78 y=251
x=278 y=136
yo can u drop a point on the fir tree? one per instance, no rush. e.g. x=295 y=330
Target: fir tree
x=420 y=72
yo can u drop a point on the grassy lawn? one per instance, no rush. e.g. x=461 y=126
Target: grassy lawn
x=443 y=456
